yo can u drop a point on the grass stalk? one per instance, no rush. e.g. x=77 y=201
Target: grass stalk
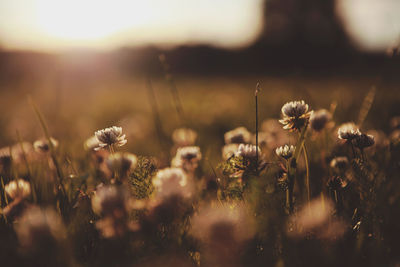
x=307 y=174
x=256 y=100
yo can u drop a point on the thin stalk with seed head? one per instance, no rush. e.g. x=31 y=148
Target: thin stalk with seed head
x=307 y=174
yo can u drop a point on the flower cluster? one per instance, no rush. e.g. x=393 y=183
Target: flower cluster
x=295 y=115
x=109 y=137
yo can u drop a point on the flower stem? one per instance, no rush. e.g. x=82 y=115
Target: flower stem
x=307 y=174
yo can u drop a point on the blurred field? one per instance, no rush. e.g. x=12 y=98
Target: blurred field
x=229 y=221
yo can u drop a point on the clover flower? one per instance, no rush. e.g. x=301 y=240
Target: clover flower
x=42 y=145
x=285 y=152
x=348 y=131
x=248 y=151
x=184 y=137
x=109 y=137
x=239 y=135
x=295 y=115
x=363 y=141
x=108 y=200
x=171 y=181
x=187 y=158
x=319 y=119
x=18 y=189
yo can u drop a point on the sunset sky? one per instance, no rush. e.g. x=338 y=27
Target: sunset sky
x=54 y=25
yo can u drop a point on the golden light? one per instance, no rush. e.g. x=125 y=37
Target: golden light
x=91 y=19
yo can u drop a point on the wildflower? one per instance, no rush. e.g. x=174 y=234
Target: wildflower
x=364 y=140
x=285 y=152
x=187 y=158
x=348 y=131
x=18 y=189
x=171 y=181
x=295 y=115
x=122 y=162
x=109 y=137
x=91 y=143
x=239 y=135
x=320 y=119
x=184 y=137
x=248 y=151
x=339 y=163
x=43 y=146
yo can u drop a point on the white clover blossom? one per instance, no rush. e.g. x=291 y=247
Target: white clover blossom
x=248 y=151
x=110 y=136
x=285 y=151
x=239 y=135
x=187 y=158
x=348 y=131
x=18 y=189
x=295 y=115
x=108 y=199
x=171 y=181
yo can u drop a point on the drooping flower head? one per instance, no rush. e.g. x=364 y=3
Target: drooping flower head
x=320 y=119
x=285 y=151
x=348 y=131
x=295 y=115
x=239 y=135
x=18 y=189
x=110 y=136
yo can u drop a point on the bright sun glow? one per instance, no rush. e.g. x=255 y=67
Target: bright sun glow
x=90 y=19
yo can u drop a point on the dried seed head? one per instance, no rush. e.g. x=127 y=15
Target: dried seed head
x=184 y=137
x=42 y=145
x=285 y=152
x=239 y=135
x=248 y=151
x=364 y=140
x=319 y=119
x=110 y=136
x=348 y=131
x=172 y=181
x=295 y=115
x=18 y=189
